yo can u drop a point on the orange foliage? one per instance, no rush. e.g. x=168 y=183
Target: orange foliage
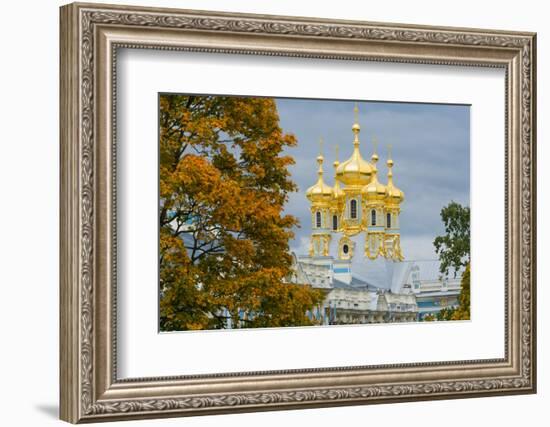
x=224 y=239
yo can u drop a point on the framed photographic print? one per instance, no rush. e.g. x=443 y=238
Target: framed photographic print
x=265 y=212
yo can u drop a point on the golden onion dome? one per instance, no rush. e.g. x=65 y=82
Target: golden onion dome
x=320 y=192
x=355 y=170
x=375 y=190
x=395 y=195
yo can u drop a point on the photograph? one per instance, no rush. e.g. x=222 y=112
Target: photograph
x=277 y=209
x=287 y=212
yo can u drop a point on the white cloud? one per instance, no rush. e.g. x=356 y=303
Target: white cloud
x=418 y=247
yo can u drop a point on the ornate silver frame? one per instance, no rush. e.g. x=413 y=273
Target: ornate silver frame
x=90 y=35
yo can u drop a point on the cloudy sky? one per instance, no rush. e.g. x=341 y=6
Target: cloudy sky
x=431 y=151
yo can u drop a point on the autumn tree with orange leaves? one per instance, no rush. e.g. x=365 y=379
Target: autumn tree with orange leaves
x=223 y=236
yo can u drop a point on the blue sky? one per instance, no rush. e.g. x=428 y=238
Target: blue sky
x=431 y=151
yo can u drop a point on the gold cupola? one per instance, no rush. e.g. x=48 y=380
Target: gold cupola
x=320 y=192
x=395 y=195
x=375 y=190
x=355 y=171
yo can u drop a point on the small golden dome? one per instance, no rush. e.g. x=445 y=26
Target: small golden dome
x=375 y=190
x=374 y=158
x=320 y=192
x=395 y=195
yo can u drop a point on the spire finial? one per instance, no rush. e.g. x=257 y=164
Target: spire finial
x=390 y=165
x=336 y=162
x=374 y=156
x=320 y=157
x=356 y=128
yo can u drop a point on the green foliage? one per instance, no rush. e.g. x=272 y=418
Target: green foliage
x=463 y=310
x=454 y=252
x=453 y=248
x=445 y=314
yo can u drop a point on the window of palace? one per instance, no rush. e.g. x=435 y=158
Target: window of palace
x=335 y=222
x=318 y=219
x=388 y=220
x=373 y=217
x=353 y=209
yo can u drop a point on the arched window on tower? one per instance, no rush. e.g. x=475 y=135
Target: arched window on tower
x=373 y=217
x=353 y=209
x=388 y=220
x=318 y=219
x=335 y=222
